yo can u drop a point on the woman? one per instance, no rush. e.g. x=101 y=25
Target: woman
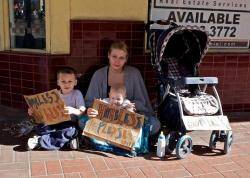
x=118 y=73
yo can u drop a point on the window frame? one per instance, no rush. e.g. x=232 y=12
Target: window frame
x=5 y=30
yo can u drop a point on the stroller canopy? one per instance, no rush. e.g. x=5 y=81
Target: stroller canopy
x=184 y=46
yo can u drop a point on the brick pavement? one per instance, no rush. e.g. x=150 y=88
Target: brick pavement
x=16 y=162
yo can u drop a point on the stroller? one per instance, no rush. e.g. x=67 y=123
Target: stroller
x=183 y=102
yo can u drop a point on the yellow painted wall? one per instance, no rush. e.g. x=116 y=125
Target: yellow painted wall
x=109 y=9
x=4 y=28
x=59 y=13
x=1 y=26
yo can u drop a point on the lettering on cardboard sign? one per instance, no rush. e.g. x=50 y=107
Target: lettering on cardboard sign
x=48 y=107
x=117 y=126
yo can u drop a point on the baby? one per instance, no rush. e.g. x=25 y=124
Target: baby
x=117 y=96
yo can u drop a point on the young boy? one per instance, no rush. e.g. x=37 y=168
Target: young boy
x=57 y=135
x=117 y=96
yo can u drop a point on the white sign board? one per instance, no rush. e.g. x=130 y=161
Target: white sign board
x=227 y=21
x=206 y=123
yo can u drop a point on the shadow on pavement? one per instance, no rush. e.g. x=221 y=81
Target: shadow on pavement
x=8 y=138
x=203 y=150
x=152 y=156
x=9 y=120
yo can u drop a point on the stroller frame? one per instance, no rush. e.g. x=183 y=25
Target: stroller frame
x=178 y=139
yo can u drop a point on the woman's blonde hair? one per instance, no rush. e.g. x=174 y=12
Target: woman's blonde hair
x=119 y=45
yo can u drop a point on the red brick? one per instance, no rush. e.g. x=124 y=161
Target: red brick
x=14 y=174
x=65 y=155
x=241 y=161
x=150 y=171
x=138 y=163
x=37 y=168
x=21 y=156
x=72 y=175
x=53 y=167
x=112 y=163
x=98 y=164
x=6 y=155
x=175 y=173
x=43 y=155
x=169 y=167
x=50 y=176
x=228 y=167
x=219 y=160
x=112 y=173
x=135 y=172
x=243 y=173
x=88 y=174
x=79 y=165
x=13 y=166
x=230 y=174
x=78 y=154
x=193 y=168
x=205 y=167
x=212 y=175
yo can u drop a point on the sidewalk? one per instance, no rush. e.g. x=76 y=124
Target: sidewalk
x=16 y=162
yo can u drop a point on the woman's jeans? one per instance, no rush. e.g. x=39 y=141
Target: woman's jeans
x=155 y=124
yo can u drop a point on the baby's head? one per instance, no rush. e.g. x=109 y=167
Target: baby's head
x=66 y=79
x=117 y=95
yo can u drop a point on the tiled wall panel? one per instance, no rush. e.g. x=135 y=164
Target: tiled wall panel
x=25 y=73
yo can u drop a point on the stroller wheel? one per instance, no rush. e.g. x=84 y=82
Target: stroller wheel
x=228 y=142
x=213 y=139
x=184 y=146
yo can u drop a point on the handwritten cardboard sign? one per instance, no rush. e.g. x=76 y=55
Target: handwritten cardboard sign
x=206 y=122
x=117 y=126
x=48 y=107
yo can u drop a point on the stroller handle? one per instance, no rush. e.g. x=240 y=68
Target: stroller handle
x=159 y=22
x=200 y=80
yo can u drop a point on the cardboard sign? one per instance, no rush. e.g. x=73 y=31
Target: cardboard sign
x=206 y=122
x=48 y=107
x=117 y=126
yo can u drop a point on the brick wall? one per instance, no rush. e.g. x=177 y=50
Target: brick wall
x=26 y=73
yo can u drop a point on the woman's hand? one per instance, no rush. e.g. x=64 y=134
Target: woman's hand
x=91 y=112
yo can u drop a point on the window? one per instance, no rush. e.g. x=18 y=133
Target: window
x=27 y=24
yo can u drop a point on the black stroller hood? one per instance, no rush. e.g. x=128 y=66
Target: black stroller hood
x=184 y=46
x=182 y=43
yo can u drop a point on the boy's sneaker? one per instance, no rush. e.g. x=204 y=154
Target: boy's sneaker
x=74 y=144
x=33 y=142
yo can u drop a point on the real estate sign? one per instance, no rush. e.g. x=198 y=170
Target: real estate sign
x=227 y=21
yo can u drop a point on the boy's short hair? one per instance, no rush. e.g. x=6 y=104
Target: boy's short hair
x=66 y=70
x=118 y=89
